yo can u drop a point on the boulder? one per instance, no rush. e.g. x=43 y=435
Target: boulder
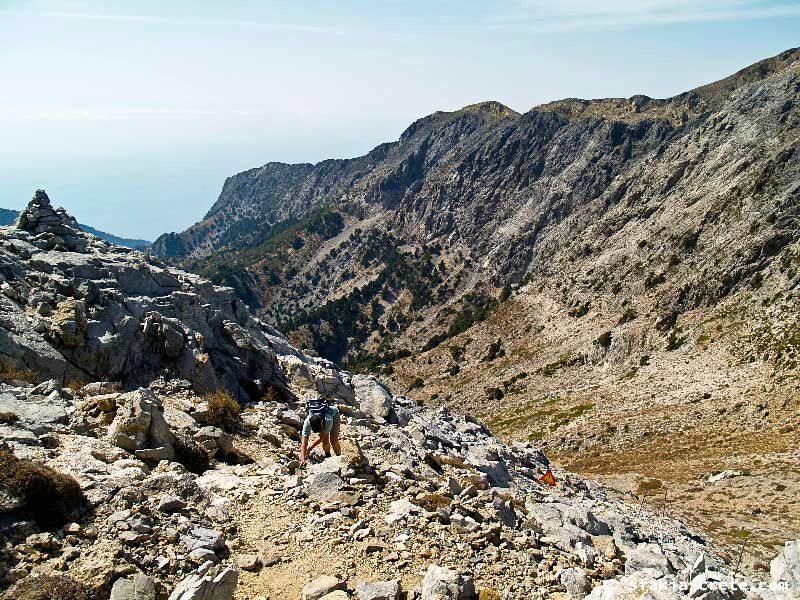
x=201 y=538
x=785 y=568
x=441 y=583
x=324 y=486
x=140 y=587
x=219 y=587
x=378 y=590
x=321 y=586
x=213 y=438
x=249 y=562
x=372 y=397
x=139 y=426
x=576 y=581
x=648 y=558
x=36 y=413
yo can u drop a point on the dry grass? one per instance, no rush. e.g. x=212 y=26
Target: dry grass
x=223 y=411
x=9 y=371
x=49 y=495
x=51 y=587
x=74 y=386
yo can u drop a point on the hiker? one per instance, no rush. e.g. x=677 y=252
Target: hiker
x=324 y=419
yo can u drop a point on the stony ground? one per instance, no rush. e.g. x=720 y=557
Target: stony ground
x=638 y=417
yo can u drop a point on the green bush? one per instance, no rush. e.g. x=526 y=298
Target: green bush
x=49 y=495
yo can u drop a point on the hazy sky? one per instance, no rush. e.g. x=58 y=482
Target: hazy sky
x=131 y=114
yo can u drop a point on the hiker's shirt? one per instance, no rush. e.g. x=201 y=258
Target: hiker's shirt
x=329 y=414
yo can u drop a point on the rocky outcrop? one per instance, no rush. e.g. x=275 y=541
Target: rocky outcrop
x=74 y=307
x=139 y=427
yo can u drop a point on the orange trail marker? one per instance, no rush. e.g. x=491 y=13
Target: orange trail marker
x=548 y=478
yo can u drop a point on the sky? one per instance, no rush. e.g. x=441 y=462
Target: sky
x=132 y=114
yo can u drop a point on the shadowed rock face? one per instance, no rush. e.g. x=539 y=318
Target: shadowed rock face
x=76 y=307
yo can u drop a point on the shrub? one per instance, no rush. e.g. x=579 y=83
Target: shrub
x=676 y=340
x=7 y=418
x=190 y=455
x=48 y=494
x=494 y=393
x=51 y=587
x=495 y=350
x=581 y=310
x=10 y=372
x=223 y=411
x=416 y=384
x=627 y=316
x=604 y=341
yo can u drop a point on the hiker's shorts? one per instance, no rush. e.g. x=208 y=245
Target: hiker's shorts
x=333 y=423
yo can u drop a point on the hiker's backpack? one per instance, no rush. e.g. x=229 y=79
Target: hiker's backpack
x=317 y=406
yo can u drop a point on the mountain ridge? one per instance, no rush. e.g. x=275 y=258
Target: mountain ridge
x=577 y=282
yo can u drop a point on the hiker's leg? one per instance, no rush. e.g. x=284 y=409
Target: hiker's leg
x=326 y=443
x=337 y=425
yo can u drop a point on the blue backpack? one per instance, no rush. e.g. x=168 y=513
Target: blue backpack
x=317 y=406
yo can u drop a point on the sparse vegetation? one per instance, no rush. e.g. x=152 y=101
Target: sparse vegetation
x=551 y=369
x=676 y=340
x=9 y=371
x=495 y=350
x=418 y=383
x=627 y=316
x=49 y=496
x=223 y=410
x=648 y=486
x=8 y=418
x=604 y=340
x=581 y=310
x=51 y=587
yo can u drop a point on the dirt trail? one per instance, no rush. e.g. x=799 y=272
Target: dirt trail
x=272 y=527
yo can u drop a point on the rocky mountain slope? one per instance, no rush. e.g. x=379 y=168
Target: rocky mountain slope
x=9 y=217
x=615 y=280
x=688 y=198
x=133 y=489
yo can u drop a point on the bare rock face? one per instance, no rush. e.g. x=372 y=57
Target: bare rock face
x=140 y=428
x=76 y=307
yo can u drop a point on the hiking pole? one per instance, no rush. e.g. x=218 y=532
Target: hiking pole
x=739 y=561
